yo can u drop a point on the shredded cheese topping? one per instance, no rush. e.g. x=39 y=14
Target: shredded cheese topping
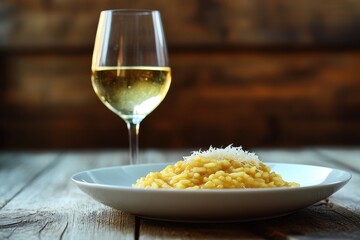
x=228 y=153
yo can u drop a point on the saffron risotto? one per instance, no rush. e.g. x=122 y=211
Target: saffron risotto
x=216 y=168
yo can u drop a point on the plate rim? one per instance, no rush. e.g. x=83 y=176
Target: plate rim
x=141 y=202
x=346 y=179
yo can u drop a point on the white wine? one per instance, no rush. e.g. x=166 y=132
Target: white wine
x=131 y=92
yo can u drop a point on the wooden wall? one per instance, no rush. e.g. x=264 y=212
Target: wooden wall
x=251 y=73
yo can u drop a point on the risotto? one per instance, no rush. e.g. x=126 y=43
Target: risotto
x=216 y=168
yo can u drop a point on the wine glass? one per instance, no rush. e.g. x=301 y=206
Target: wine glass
x=130 y=67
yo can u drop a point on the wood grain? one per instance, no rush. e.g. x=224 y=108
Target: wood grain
x=18 y=171
x=349 y=160
x=52 y=207
x=316 y=222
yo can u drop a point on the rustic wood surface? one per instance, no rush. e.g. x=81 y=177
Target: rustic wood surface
x=38 y=201
x=268 y=73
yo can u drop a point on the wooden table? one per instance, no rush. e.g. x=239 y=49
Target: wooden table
x=38 y=201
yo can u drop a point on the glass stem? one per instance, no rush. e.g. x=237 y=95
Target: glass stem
x=133 y=141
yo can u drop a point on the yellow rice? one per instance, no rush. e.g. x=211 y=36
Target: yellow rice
x=216 y=168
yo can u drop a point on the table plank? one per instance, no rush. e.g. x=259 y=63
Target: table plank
x=349 y=158
x=52 y=207
x=150 y=229
x=49 y=206
x=319 y=221
x=18 y=170
x=326 y=219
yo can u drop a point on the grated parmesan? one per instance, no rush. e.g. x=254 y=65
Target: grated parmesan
x=228 y=153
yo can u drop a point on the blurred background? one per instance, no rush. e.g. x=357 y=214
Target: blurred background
x=254 y=73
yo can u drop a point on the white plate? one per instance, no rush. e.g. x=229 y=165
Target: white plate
x=112 y=187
